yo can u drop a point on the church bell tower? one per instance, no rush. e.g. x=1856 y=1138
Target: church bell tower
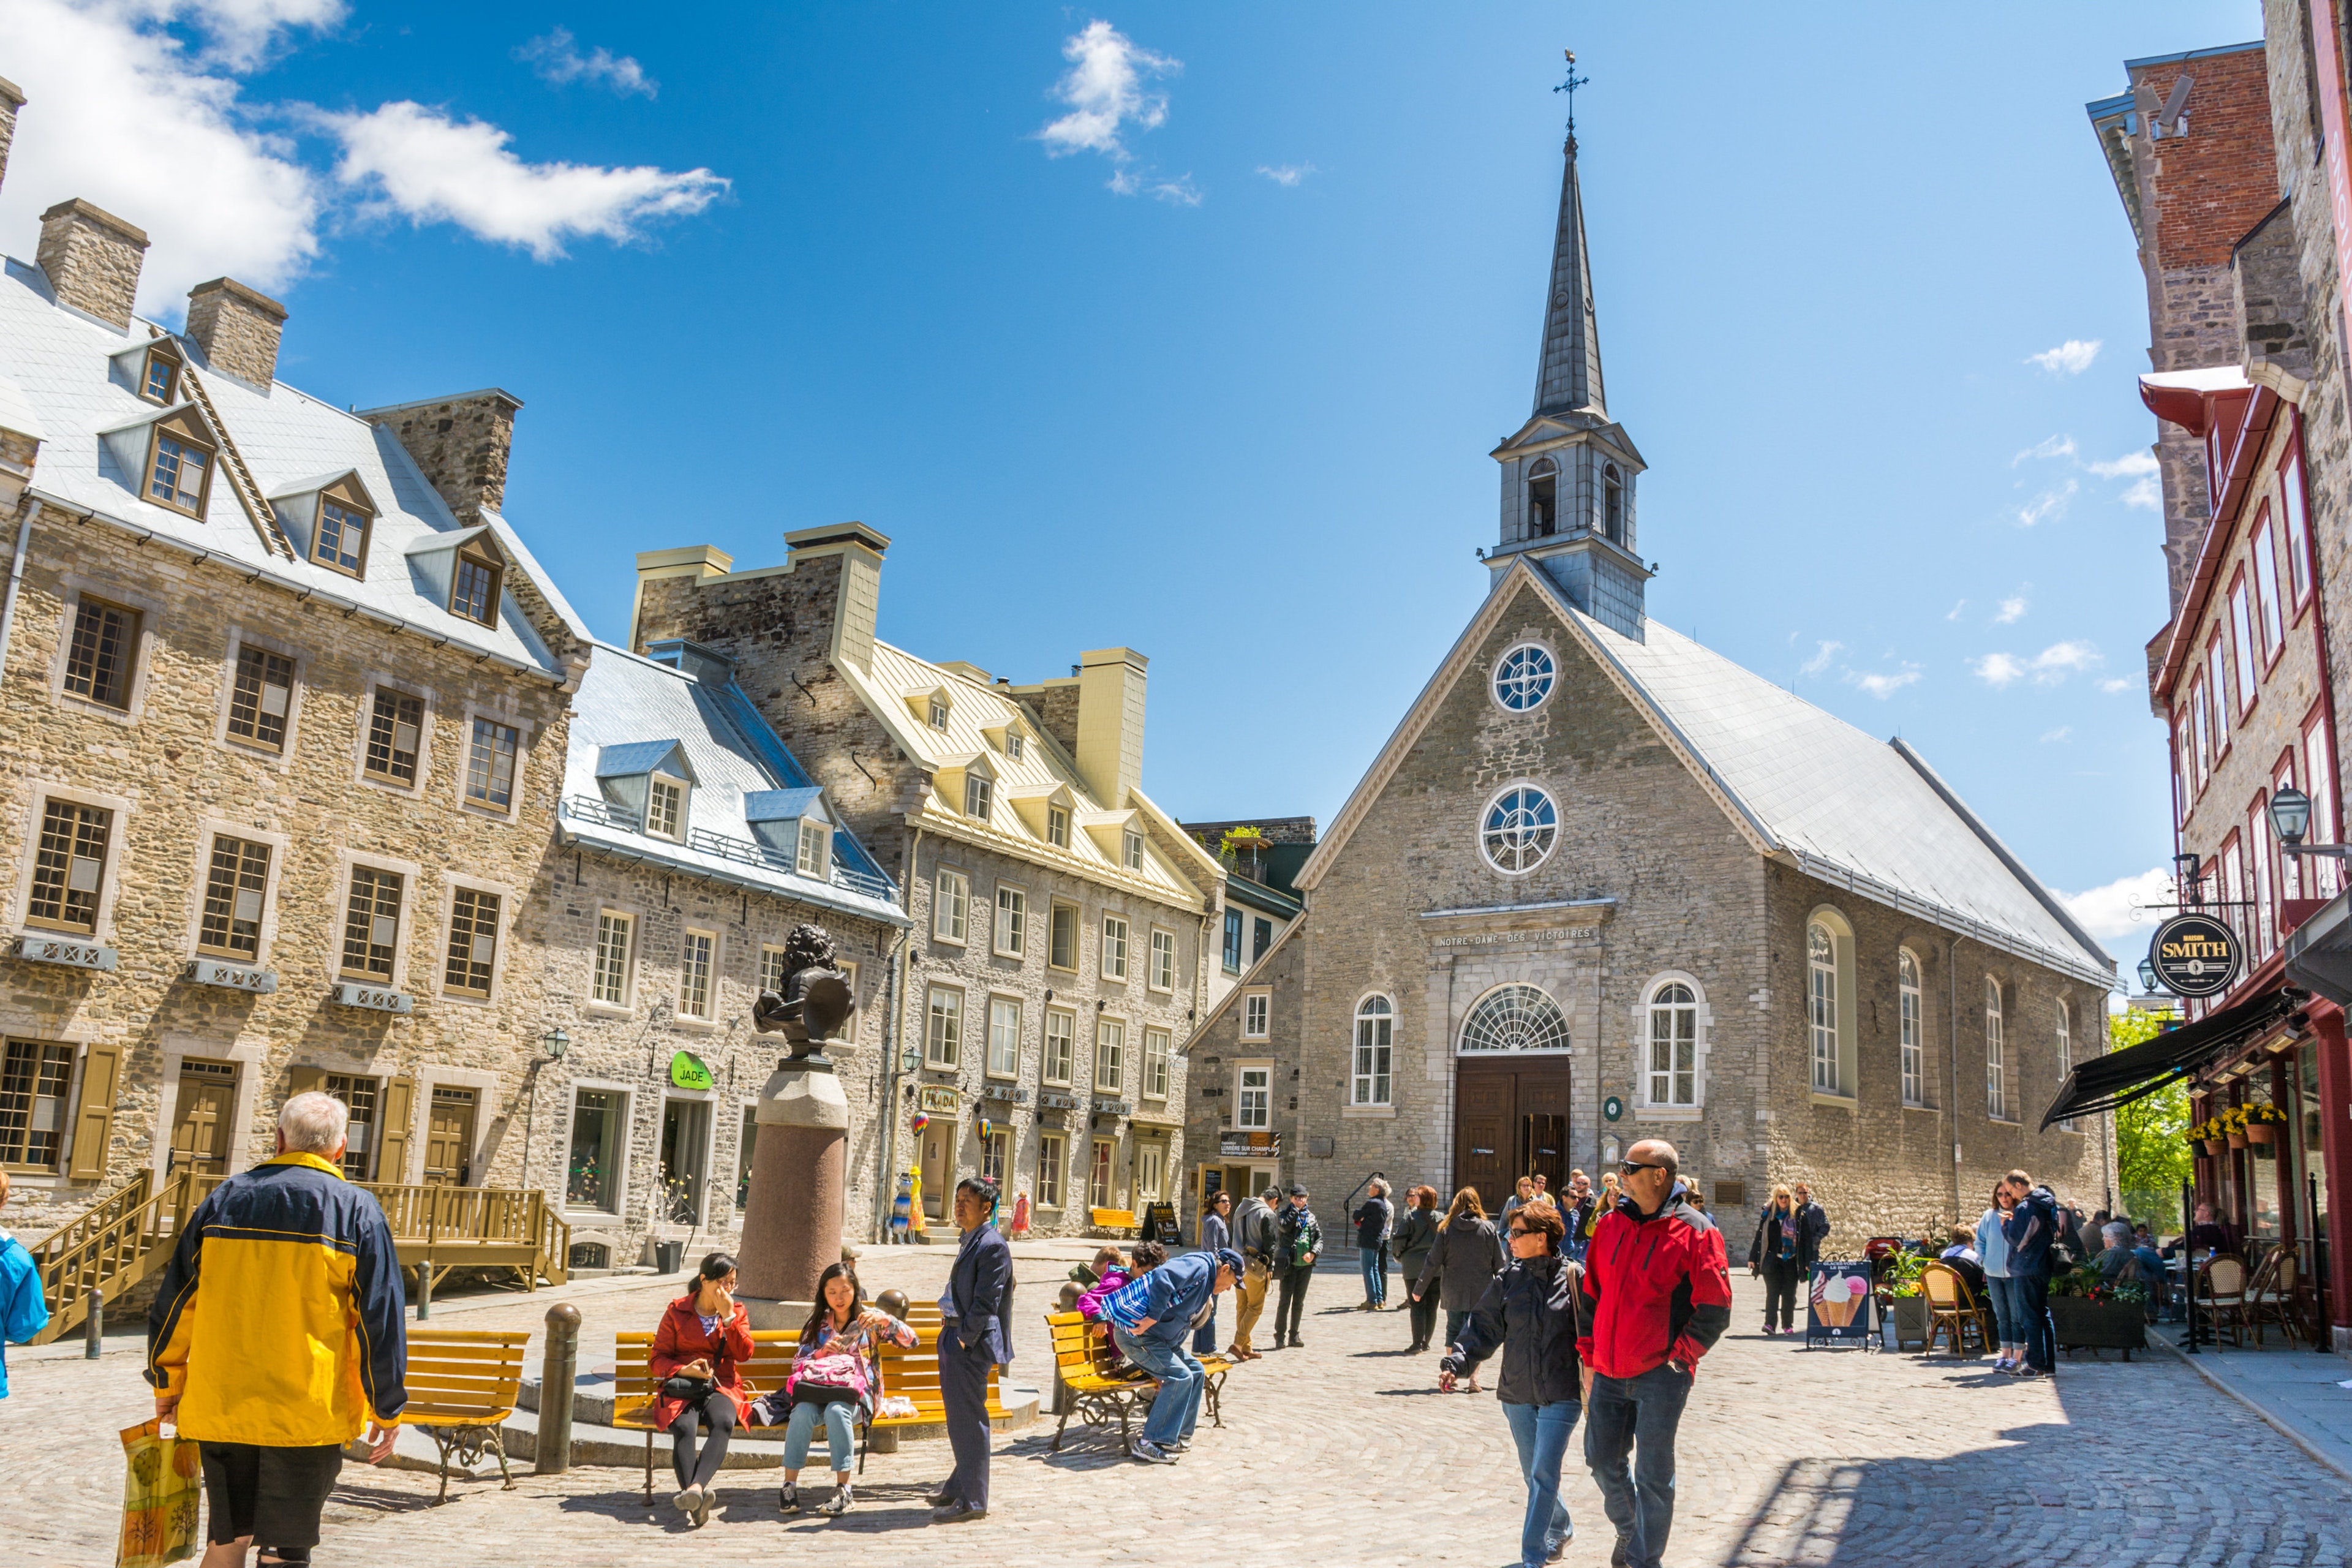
x=1570 y=473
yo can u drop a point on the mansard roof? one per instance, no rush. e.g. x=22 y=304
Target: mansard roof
x=1801 y=785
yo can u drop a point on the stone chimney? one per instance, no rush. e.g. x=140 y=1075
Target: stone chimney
x=93 y=260
x=237 y=328
x=856 y=551
x=1110 y=722
x=11 y=100
x=462 y=443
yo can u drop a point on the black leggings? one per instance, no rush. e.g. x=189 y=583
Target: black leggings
x=718 y=1412
x=1424 y=1318
x=1291 y=1305
x=1780 y=1277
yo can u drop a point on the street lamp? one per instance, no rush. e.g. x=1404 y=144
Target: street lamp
x=2290 y=819
x=2148 y=977
x=555 y=1042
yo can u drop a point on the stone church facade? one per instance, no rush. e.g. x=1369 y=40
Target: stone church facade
x=1602 y=884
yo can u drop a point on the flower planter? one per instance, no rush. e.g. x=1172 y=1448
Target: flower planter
x=1907 y=1323
x=2084 y=1324
x=2260 y=1131
x=2237 y=1140
x=2214 y=1145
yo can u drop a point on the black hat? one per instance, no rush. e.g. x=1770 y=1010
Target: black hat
x=1297 y=1189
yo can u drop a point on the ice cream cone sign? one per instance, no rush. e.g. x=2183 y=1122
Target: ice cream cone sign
x=1837 y=1297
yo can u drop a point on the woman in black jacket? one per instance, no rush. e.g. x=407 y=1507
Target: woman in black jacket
x=1461 y=1263
x=1530 y=1313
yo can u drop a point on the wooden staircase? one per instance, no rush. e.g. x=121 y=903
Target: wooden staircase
x=128 y=1236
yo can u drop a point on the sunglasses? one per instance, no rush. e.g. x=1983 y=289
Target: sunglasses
x=1519 y=1230
x=1630 y=1166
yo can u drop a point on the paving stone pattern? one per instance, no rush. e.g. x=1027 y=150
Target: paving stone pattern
x=1344 y=1453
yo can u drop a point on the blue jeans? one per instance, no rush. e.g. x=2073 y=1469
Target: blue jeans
x=1627 y=1413
x=1376 y=1278
x=801 y=1428
x=1541 y=1433
x=2041 y=1336
x=1176 y=1408
x=1205 y=1338
x=2007 y=1314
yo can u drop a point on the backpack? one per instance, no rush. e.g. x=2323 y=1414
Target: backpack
x=828 y=1377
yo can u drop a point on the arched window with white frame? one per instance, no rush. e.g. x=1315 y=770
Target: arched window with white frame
x=1375 y=1051
x=1911 y=1021
x=1822 y=1007
x=1543 y=498
x=2065 y=1049
x=1670 y=1076
x=1996 y=1054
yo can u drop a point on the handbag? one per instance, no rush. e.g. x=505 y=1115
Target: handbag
x=693 y=1390
x=162 y=1482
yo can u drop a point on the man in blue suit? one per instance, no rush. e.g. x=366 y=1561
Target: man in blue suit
x=974 y=1338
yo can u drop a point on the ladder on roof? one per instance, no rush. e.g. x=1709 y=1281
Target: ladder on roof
x=263 y=516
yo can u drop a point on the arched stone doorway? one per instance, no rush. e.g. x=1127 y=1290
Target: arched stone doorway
x=1511 y=1094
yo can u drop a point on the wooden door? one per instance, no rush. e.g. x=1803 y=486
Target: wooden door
x=449 y=1139
x=938 y=1166
x=1485 y=1152
x=199 y=1132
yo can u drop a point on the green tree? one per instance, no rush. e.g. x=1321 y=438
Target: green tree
x=2152 y=1134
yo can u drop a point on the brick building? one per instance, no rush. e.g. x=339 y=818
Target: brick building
x=1602 y=884
x=284 y=704
x=1060 y=919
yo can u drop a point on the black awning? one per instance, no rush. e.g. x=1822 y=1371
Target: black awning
x=2103 y=1083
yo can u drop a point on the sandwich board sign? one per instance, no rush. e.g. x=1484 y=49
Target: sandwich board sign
x=1838 y=1304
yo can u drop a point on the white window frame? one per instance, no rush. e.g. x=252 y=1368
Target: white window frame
x=1151 y=1170
x=1131 y=849
x=978 y=792
x=1053 y=1166
x=655 y=786
x=1114 y=947
x=1078 y=935
x=1253 y=1115
x=1996 y=1053
x=2066 y=1045
x=813 y=856
x=1659 y=1005
x=1546 y=834
x=1257 y=1015
x=625 y=1137
x=1550 y=677
x=1110 y=1056
x=1011 y=938
x=1003 y=1035
x=1057 y=826
x=697 y=966
x=1373 y=1059
x=1160 y=964
x=943 y=1027
x=951 y=905
x=1060 y=1064
x=1911 y=1027
x=772 y=967
x=597 y=969
x=1831 y=1035
x=1155 y=1063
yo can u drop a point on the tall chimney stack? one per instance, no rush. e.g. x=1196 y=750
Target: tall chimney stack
x=93 y=260
x=1110 y=722
x=12 y=99
x=461 y=443
x=237 y=328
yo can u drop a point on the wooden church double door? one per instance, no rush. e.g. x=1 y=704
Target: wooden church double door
x=1510 y=1119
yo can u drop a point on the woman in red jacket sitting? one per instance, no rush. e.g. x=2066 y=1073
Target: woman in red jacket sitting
x=702 y=1337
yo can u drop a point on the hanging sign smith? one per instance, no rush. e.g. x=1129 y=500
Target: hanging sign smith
x=2194 y=955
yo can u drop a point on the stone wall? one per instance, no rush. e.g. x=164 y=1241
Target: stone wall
x=462 y=443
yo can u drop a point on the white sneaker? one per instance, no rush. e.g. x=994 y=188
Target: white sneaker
x=1149 y=1452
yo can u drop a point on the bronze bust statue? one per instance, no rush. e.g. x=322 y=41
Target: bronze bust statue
x=814 y=1000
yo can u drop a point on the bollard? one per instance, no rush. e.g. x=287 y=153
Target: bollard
x=93 y=1326
x=555 y=1374
x=424 y=1289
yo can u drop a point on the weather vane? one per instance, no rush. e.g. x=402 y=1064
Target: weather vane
x=1569 y=87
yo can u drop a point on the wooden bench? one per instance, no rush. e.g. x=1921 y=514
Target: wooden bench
x=462 y=1386
x=1111 y=1220
x=911 y=1375
x=1103 y=1385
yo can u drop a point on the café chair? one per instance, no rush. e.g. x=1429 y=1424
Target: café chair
x=2221 y=1290
x=1952 y=1312
x=2270 y=1298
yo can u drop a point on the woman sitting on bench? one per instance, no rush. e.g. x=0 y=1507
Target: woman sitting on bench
x=837 y=1377
x=702 y=1336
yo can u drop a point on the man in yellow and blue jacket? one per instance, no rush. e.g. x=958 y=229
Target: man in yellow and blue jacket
x=277 y=1335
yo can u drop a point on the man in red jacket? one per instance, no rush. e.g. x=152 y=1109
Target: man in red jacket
x=1656 y=1297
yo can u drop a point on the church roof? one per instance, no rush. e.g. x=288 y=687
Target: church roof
x=1568 y=377
x=1803 y=786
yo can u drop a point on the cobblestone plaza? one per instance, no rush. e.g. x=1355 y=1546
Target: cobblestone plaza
x=1344 y=1453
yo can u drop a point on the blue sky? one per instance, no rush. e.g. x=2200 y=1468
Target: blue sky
x=1189 y=327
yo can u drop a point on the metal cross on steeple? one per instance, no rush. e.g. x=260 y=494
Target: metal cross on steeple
x=1569 y=87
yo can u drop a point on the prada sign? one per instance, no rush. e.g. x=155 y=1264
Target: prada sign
x=231 y=976
x=374 y=998
x=63 y=949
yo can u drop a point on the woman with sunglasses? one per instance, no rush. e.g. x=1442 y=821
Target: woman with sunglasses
x=1532 y=1315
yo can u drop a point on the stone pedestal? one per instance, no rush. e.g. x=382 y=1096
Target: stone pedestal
x=792 y=1217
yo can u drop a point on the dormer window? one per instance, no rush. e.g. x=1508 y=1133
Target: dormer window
x=1012 y=745
x=179 y=467
x=1058 y=828
x=474 y=592
x=159 y=381
x=1612 y=503
x=1131 y=850
x=977 y=792
x=938 y=713
x=814 y=859
x=342 y=536
x=1543 y=498
x=665 y=808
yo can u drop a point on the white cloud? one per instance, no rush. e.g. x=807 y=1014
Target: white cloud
x=2072 y=357
x=1105 y=89
x=2051 y=446
x=429 y=168
x=556 y=59
x=2107 y=912
x=1998 y=670
x=1286 y=176
x=133 y=117
x=2013 y=608
x=1885 y=686
x=1954 y=612
x=2055 y=663
x=2131 y=464
x=2145 y=494
x=2114 y=684
x=1822 y=654
x=2052 y=737
x=1179 y=191
x=2050 y=504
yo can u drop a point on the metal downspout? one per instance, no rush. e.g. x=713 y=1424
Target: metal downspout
x=1952 y=1051
x=886 y=1185
x=16 y=576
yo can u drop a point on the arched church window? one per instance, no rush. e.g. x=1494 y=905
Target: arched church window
x=1523 y=678
x=1543 y=498
x=1513 y=1018
x=1674 y=1046
x=1520 y=827
x=1375 y=1050
x=1822 y=1021
x=1612 y=503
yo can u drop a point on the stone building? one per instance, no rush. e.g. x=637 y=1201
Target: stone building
x=1060 y=919
x=1603 y=884
x=1260 y=859
x=283 y=709
x=691 y=844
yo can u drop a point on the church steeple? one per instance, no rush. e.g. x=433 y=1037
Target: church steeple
x=1569 y=473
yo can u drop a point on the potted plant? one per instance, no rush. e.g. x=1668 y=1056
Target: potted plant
x=2208 y=1135
x=1907 y=1300
x=2088 y=1313
x=2263 y=1122
x=2234 y=1126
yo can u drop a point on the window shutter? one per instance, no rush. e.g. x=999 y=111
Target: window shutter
x=305 y=1080
x=101 y=1075
x=399 y=1104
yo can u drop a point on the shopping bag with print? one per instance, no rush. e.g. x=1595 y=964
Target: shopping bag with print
x=162 y=1481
